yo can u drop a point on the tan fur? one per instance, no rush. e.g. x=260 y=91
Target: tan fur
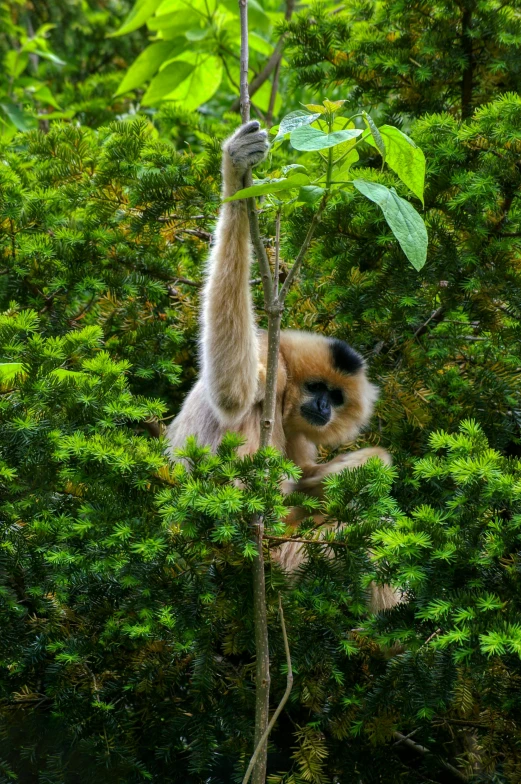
x=230 y=391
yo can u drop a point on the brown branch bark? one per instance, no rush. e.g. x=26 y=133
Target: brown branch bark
x=411 y=744
x=262 y=76
x=285 y=696
x=262 y=655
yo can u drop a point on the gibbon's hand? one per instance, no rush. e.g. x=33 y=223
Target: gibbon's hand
x=248 y=145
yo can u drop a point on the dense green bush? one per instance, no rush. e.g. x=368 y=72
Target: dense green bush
x=126 y=641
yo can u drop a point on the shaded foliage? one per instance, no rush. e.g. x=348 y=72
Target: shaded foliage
x=126 y=644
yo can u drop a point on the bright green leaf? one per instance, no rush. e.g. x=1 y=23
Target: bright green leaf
x=294 y=120
x=8 y=370
x=167 y=81
x=21 y=120
x=405 y=223
x=142 y=11
x=195 y=88
x=375 y=133
x=307 y=138
x=403 y=157
x=147 y=64
x=309 y=194
x=274 y=186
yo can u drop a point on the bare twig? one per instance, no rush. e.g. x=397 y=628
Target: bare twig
x=406 y=741
x=276 y=271
x=323 y=542
x=285 y=696
x=290 y=4
x=435 y=316
x=302 y=252
x=261 y=77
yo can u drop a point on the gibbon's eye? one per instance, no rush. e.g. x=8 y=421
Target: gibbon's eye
x=315 y=387
x=337 y=397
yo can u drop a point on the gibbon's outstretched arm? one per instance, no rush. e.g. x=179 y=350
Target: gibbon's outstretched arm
x=229 y=339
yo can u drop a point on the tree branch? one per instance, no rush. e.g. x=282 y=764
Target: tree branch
x=406 y=741
x=262 y=76
x=285 y=696
x=302 y=252
x=258 y=763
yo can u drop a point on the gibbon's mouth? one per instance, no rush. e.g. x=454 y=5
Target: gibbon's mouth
x=312 y=416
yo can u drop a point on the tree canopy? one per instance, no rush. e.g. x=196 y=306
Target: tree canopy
x=127 y=646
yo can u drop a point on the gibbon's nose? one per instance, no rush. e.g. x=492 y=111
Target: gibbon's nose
x=323 y=406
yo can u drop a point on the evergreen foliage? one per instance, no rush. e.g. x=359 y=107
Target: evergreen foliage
x=126 y=639
x=409 y=58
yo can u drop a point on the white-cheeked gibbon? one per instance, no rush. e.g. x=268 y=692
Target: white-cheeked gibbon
x=324 y=396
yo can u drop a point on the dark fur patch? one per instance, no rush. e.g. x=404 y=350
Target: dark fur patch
x=345 y=358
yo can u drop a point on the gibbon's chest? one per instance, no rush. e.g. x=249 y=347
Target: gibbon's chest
x=249 y=428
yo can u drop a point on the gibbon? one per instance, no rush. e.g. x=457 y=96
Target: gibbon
x=323 y=394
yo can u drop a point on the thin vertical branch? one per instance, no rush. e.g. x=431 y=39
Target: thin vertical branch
x=285 y=696
x=276 y=271
x=260 y=617
x=303 y=250
x=273 y=305
x=290 y=4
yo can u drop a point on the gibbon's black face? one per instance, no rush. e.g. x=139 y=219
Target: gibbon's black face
x=319 y=400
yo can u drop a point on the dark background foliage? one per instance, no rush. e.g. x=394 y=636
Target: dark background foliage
x=126 y=648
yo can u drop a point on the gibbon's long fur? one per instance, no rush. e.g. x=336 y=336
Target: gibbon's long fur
x=323 y=394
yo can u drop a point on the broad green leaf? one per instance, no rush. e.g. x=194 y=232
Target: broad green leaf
x=258 y=19
x=309 y=194
x=200 y=85
x=274 y=186
x=307 y=138
x=333 y=106
x=147 y=64
x=173 y=25
x=314 y=107
x=345 y=164
x=403 y=157
x=294 y=120
x=167 y=81
x=259 y=44
x=375 y=133
x=74 y=376
x=9 y=370
x=49 y=56
x=142 y=11
x=44 y=95
x=7 y=129
x=15 y=62
x=21 y=120
x=405 y=223
x=263 y=96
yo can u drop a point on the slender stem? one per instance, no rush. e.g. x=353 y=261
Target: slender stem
x=270 y=395
x=276 y=271
x=263 y=75
x=303 y=250
x=285 y=696
x=260 y=618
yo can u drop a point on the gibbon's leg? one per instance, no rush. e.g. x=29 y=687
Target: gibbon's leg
x=312 y=476
x=229 y=335
x=291 y=555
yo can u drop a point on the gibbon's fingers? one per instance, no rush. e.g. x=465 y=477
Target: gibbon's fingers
x=248 y=127
x=247 y=146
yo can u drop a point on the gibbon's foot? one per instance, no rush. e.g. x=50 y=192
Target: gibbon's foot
x=248 y=145
x=312 y=482
x=356 y=459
